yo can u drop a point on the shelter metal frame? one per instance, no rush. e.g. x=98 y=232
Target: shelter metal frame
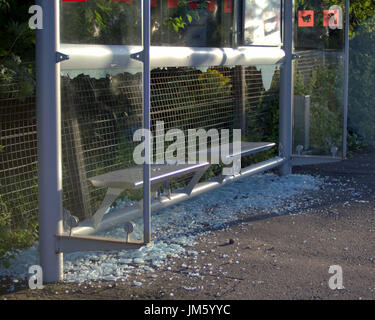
x=53 y=241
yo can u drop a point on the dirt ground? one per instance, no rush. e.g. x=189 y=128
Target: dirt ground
x=264 y=256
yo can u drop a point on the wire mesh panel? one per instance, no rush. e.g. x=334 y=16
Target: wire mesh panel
x=18 y=158
x=100 y=117
x=262 y=106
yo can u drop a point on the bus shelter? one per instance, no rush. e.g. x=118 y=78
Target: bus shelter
x=152 y=102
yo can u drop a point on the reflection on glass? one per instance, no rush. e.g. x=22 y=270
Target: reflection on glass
x=262 y=22
x=100 y=113
x=196 y=23
x=319 y=25
x=319 y=78
x=101 y=22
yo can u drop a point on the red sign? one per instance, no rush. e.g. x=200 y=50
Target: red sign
x=306 y=18
x=172 y=3
x=228 y=6
x=331 y=18
x=211 y=6
x=192 y=4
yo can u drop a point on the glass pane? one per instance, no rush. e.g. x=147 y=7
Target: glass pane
x=101 y=111
x=319 y=78
x=99 y=117
x=262 y=22
x=196 y=23
x=101 y=22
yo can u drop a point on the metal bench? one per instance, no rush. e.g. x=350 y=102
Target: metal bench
x=118 y=181
x=79 y=238
x=132 y=178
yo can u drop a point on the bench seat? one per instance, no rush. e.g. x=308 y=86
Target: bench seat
x=247 y=148
x=132 y=178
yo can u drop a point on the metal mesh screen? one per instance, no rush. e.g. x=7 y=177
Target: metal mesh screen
x=100 y=117
x=318 y=102
x=310 y=59
x=262 y=107
x=18 y=156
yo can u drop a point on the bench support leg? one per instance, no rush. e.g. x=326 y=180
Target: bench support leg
x=194 y=181
x=67 y=244
x=110 y=197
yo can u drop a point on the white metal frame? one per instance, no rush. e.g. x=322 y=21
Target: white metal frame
x=53 y=242
x=89 y=57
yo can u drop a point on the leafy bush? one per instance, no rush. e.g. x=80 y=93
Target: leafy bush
x=326 y=110
x=362 y=82
x=18 y=226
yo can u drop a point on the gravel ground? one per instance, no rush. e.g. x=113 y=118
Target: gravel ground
x=262 y=255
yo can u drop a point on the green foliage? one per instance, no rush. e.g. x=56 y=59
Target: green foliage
x=183 y=17
x=108 y=22
x=362 y=69
x=15 y=239
x=263 y=118
x=360 y=12
x=214 y=84
x=17 y=74
x=17 y=44
x=326 y=111
x=18 y=227
x=362 y=82
x=101 y=22
x=16 y=37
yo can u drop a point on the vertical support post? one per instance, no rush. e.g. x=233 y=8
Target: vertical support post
x=346 y=80
x=307 y=121
x=49 y=140
x=239 y=72
x=286 y=89
x=146 y=120
x=239 y=84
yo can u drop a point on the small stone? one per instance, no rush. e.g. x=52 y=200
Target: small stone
x=139 y=261
x=137 y=283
